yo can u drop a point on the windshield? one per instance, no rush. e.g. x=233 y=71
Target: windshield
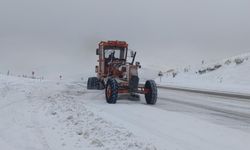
x=109 y=52
x=118 y=53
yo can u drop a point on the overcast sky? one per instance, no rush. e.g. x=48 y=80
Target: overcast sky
x=55 y=37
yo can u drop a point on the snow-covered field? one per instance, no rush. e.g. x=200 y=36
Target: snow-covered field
x=57 y=115
x=230 y=75
x=54 y=115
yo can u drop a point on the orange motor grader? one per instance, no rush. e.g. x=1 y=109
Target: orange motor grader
x=118 y=76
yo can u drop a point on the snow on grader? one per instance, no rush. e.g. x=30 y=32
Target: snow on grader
x=118 y=76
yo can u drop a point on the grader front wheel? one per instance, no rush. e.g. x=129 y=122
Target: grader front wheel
x=151 y=92
x=111 y=91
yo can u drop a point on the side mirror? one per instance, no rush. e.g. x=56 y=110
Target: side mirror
x=96 y=69
x=97 y=51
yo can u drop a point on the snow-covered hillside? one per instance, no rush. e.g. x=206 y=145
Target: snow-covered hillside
x=232 y=74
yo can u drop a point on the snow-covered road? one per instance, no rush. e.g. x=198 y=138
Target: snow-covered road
x=40 y=115
x=231 y=112
x=181 y=120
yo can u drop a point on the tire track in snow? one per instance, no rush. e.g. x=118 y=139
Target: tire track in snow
x=36 y=106
x=38 y=129
x=10 y=104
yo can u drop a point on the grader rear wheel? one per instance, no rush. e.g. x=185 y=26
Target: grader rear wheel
x=92 y=83
x=95 y=84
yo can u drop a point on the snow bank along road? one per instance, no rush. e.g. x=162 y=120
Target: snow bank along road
x=41 y=115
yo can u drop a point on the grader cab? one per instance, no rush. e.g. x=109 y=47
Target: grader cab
x=118 y=76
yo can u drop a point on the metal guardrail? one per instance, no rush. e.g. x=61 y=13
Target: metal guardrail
x=208 y=92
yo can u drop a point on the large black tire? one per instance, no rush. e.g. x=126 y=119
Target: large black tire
x=111 y=91
x=151 y=95
x=89 y=84
x=93 y=83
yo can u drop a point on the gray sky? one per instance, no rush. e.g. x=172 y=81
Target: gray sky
x=55 y=37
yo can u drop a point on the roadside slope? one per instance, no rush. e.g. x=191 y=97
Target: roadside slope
x=230 y=75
